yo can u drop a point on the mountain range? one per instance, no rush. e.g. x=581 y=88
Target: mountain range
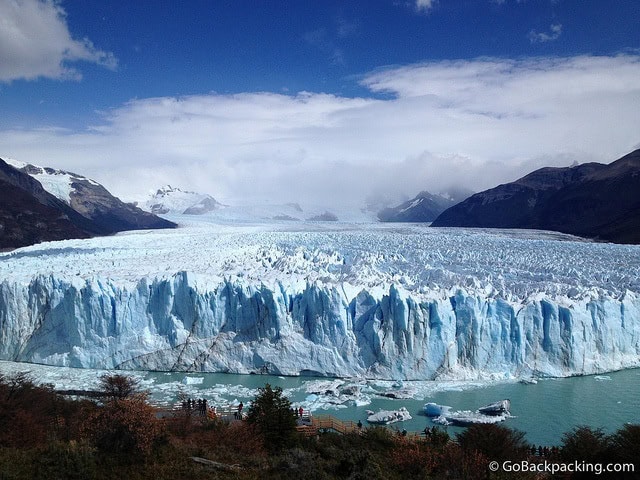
x=40 y=204
x=424 y=207
x=591 y=200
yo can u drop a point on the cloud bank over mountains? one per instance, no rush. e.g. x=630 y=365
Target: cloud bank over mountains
x=475 y=123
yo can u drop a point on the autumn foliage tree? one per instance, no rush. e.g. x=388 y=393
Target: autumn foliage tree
x=32 y=415
x=118 y=386
x=625 y=444
x=585 y=443
x=22 y=423
x=494 y=441
x=126 y=424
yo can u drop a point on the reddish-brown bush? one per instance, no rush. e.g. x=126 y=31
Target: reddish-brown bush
x=125 y=426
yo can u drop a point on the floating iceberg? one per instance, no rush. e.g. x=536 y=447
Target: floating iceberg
x=493 y=413
x=435 y=410
x=385 y=417
x=494 y=409
x=465 y=418
x=193 y=380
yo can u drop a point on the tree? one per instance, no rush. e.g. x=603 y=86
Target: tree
x=118 y=386
x=495 y=442
x=126 y=424
x=26 y=411
x=625 y=444
x=270 y=412
x=584 y=444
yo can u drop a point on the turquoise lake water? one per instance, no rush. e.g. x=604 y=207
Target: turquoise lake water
x=544 y=411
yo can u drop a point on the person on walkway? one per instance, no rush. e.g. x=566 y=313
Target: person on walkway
x=300 y=411
x=240 y=407
x=360 y=424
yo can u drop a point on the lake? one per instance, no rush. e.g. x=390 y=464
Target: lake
x=544 y=410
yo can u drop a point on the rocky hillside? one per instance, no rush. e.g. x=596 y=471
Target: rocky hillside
x=590 y=200
x=108 y=214
x=29 y=214
x=74 y=207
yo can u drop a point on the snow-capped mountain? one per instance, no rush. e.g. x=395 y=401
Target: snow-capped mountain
x=376 y=300
x=29 y=214
x=86 y=203
x=424 y=207
x=56 y=182
x=169 y=200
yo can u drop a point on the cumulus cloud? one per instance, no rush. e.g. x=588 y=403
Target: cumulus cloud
x=35 y=42
x=472 y=123
x=555 y=30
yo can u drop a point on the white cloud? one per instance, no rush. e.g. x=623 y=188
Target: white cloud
x=424 y=5
x=35 y=42
x=555 y=30
x=475 y=123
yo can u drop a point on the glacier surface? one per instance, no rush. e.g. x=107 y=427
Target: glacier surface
x=332 y=299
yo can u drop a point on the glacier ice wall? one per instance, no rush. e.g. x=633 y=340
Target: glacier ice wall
x=174 y=324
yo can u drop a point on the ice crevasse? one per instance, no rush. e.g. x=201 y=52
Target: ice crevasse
x=176 y=324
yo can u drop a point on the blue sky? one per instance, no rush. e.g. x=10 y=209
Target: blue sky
x=261 y=99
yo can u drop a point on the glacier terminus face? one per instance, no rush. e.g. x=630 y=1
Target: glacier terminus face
x=387 y=301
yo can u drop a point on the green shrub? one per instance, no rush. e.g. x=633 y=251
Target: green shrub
x=65 y=461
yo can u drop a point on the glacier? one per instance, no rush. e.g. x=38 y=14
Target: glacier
x=341 y=300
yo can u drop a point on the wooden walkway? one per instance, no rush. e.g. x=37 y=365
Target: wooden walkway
x=328 y=423
x=308 y=425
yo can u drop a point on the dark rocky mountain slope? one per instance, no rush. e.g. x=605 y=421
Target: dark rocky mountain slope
x=590 y=200
x=30 y=214
x=95 y=202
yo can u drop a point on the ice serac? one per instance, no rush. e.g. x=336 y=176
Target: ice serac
x=177 y=324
